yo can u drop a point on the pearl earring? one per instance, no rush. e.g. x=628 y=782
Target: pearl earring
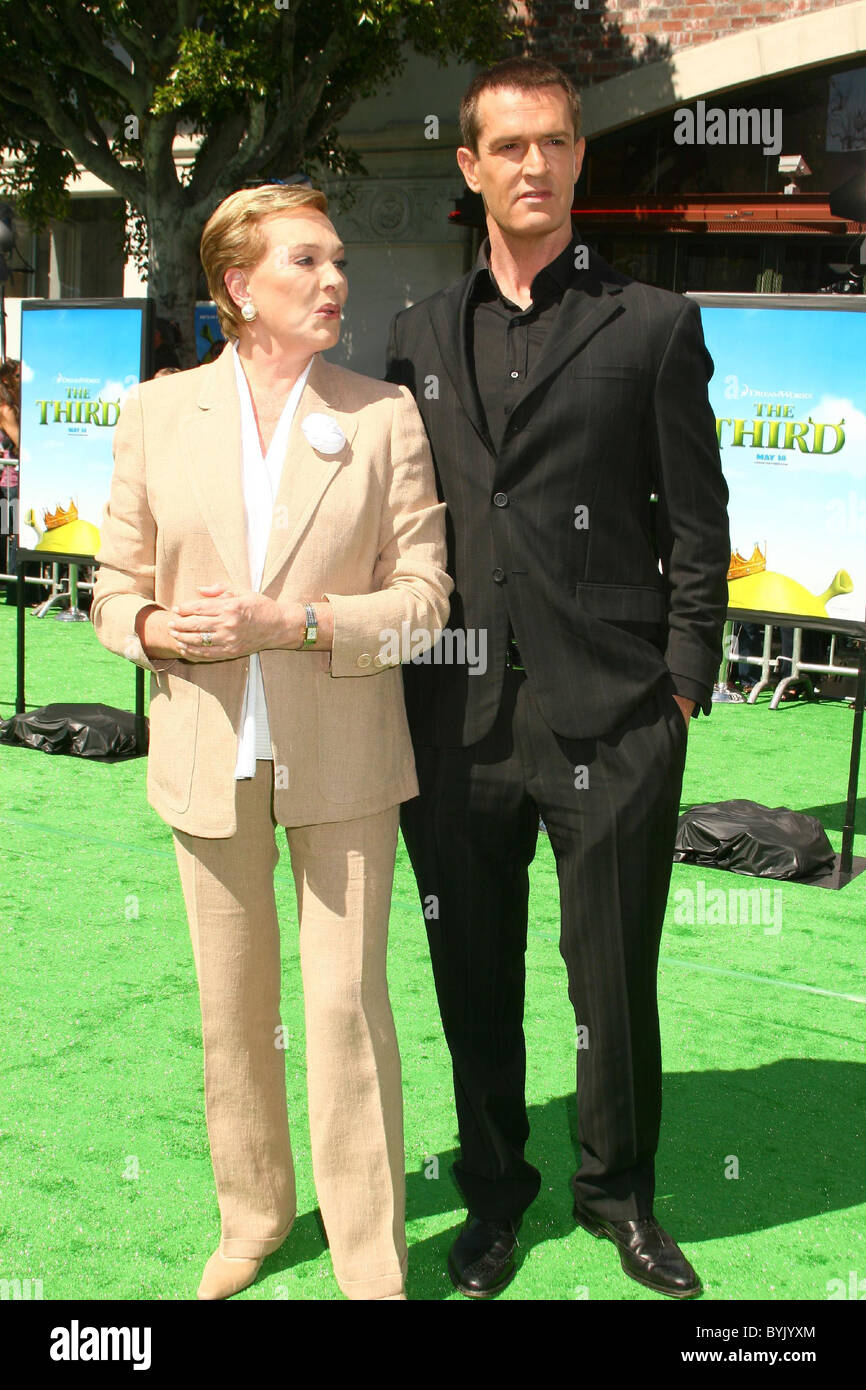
x=249 y=311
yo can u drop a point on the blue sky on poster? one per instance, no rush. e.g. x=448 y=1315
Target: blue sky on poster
x=809 y=508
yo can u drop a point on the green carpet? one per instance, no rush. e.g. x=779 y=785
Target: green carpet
x=106 y=1189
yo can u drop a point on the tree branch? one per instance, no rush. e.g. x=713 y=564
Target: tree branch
x=98 y=159
x=93 y=124
x=287 y=57
x=89 y=52
x=165 y=51
x=214 y=151
x=243 y=162
x=157 y=149
x=15 y=96
x=297 y=115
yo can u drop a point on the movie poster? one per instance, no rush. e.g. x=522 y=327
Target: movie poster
x=789 y=396
x=209 y=340
x=78 y=364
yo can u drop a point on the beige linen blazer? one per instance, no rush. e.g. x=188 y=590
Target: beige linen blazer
x=362 y=527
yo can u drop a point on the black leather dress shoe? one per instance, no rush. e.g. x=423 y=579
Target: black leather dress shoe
x=481 y=1261
x=646 y=1252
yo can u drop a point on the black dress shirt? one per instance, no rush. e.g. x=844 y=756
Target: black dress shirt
x=505 y=340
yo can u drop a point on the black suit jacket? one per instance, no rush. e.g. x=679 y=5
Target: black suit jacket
x=606 y=590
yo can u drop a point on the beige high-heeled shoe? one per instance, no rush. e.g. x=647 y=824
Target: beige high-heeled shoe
x=225 y=1275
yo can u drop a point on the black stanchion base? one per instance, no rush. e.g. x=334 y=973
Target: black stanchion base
x=832 y=876
x=829 y=877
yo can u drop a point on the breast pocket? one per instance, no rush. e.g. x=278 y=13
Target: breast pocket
x=175 y=539
x=610 y=403
x=580 y=371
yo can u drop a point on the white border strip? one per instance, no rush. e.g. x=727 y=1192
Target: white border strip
x=761 y=979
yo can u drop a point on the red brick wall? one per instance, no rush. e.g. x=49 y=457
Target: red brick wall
x=610 y=37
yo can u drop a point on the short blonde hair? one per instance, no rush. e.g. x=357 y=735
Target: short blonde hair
x=233 y=237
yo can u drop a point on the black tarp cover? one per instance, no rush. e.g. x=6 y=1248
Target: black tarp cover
x=83 y=731
x=748 y=838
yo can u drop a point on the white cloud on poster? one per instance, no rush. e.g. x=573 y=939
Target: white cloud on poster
x=851 y=458
x=118 y=390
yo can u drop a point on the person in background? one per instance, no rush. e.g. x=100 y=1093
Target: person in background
x=750 y=642
x=166 y=339
x=10 y=426
x=10 y=407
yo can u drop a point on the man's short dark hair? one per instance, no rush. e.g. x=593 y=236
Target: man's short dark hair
x=515 y=74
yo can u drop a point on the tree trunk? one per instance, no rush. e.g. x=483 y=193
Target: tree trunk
x=172 y=276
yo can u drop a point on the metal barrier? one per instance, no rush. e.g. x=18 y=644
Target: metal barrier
x=798 y=667
x=68 y=587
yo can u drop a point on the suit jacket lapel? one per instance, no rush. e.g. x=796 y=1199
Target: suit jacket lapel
x=587 y=304
x=306 y=473
x=448 y=317
x=213 y=464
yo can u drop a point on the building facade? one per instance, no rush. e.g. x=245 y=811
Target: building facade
x=686 y=213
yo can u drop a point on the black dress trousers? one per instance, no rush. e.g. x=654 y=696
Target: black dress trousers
x=610 y=805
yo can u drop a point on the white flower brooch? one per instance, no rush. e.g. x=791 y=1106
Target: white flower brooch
x=324 y=433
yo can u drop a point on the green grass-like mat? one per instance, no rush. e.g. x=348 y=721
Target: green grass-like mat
x=106 y=1189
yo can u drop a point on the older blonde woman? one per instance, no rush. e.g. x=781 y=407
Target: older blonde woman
x=273 y=529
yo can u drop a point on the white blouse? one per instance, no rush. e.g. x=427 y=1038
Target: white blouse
x=260 y=481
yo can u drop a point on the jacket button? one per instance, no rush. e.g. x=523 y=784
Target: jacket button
x=377 y=660
x=364 y=659
x=500 y=499
x=499 y=575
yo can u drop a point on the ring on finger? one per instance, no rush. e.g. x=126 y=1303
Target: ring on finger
x=207 y=639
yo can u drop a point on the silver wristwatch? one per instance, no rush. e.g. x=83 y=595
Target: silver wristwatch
x=311 y=631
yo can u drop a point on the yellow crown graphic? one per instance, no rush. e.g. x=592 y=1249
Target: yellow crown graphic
x=740 y=566
x=60 y=517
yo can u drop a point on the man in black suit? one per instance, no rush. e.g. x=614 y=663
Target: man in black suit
x=575 y=447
